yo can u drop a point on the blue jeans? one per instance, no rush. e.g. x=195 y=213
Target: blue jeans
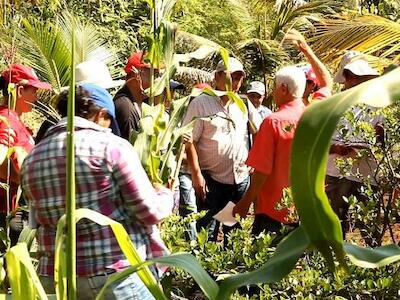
x=187 y=203
x=218 y=196
x=88 y=288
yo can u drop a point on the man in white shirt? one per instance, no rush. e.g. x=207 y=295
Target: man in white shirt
x=219 y=150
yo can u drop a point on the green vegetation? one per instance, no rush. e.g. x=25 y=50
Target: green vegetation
x=313 y=260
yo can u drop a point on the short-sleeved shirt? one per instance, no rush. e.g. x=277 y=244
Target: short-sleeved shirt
x=263 y=111
x=222 y=141
x=21 y=139
x=270 y=155
x=321 y=94
x=127 y=112
x=367 y=164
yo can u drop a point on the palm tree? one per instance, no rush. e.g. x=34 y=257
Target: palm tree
x=46 y=46
x=370 y=34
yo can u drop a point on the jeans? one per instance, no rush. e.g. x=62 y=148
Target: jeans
x=187 y=203
x=218 y=196
x=88 y=288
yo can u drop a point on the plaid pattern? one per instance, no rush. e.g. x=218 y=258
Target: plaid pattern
x=109 y=180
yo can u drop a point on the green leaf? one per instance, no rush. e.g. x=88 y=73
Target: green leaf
x=189 y=263
x=278 y=266
x=24 y=281
x=309 y=158
x=123 y=240
x=372 y=258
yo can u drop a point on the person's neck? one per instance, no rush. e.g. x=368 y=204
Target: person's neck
x=137 y=94
x=288 y=100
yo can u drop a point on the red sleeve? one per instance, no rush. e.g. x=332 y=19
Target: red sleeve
x=261 y=155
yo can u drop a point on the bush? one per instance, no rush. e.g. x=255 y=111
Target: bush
x=311 y=278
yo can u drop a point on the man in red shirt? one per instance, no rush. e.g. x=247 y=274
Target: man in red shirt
x=270 y=154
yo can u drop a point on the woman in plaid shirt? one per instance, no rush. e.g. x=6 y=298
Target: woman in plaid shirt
x=109 y=180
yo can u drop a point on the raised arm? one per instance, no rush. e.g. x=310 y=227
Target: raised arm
x=320 y=70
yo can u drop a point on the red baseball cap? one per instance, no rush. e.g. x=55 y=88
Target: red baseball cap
x=20 y=74
x=136 y=60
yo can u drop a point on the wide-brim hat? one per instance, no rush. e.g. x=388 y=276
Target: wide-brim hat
x=95 y=72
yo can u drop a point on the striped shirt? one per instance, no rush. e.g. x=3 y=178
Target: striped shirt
x=221 y=141
x=109 y=180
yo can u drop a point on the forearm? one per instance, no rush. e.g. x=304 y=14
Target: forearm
x=192 y=158
x=321 y=71
x=257 y=181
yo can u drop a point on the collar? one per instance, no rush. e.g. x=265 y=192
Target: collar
x=294 y=103
x=79 y=123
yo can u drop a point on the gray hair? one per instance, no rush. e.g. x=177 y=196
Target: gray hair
x=293 y=78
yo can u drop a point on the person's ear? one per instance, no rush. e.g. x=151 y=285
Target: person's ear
x=102 y=114
x=284 y=88
x=20 y=91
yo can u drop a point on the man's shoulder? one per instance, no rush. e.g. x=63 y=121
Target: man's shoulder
x=203 y=99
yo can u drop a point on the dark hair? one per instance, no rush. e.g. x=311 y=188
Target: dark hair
x=3 y=86
x=84 y=106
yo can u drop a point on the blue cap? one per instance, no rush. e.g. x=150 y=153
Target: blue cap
x=103 y=99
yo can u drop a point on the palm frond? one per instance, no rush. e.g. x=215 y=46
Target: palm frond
x=189 y=76
x=41 y=45
x=89 y=44
x=370 y=34
x=193 y=41
x=289 y=11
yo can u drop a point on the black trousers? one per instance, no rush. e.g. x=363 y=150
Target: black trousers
x=216 y=199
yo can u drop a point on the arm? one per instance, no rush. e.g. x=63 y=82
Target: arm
x=194 y=111
x=322 y=73
x=257 y=181
x=199 y=184
x=146 y=204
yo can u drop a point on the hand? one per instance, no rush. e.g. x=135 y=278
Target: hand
x=241 y=208
x=8 y=137
x=187 y=138
x=158 y=186
x=200 y=186
x=297 y=39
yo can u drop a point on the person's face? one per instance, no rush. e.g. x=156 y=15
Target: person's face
x=352 y=80
x=255 y=98
x=310 y=88
x=237 y=80
x=145 y=76
x=281 y=93
x=27 y=95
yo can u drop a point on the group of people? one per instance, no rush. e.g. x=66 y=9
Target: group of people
x=236 y=156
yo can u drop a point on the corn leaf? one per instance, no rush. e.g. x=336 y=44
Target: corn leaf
x=24 y=281
x=124 y=242
x=309 y=158
x=372 y=258
x=278 y=266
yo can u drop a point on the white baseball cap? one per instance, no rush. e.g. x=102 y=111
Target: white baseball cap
x=256 y=87
x=356 y=63
x=234 y=65
x=97 y=73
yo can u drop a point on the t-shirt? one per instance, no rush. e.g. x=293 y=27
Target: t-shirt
x=13 y=134
x=127 y=112
x=270 y=155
